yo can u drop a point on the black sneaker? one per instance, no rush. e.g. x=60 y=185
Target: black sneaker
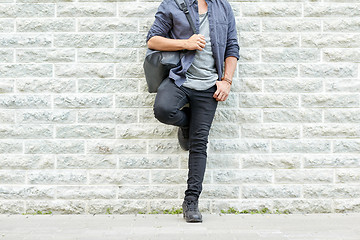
x=191 y=211
x=183 y=137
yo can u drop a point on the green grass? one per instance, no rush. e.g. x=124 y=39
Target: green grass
x=232 y=210
x=38 y=212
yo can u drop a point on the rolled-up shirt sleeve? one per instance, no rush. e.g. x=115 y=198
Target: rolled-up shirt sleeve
x=162 y=23
x=232 y=46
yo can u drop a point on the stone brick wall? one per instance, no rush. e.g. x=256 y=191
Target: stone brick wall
x=78 y=136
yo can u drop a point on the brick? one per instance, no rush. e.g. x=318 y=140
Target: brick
x=239 y=146
x=332 y=40
x=270 y=161
x=304 y=205
x=12 y=177
x=331 y=161
x=87 y=70
x=132 y=40
x=137 y=9
x=342 y=85
x=54 y=146
x=88 y=9
x=26 y=131
x=58 y=177
x=120 y=116
x=346 y=205
x=11 y=146
x=347 y=146
x=293 y=85
x=83 y=40
x=24 y=101
x=45 y=116
x=304 y=176
x=149 y=161
x=148 y=192
x=165 y=146
x=106 y=24
x=340 y=25
x=6 y=55
x=297 y=115
x=11 y=206
x=331 y=131
x=119 y=177
x=271 y=10
x=219 y=161
x=170 y=177
x=134 y=100
x=86 y=131
x=244 y=115
x=26 y=192
x=107 y=55
x=39 y=10
x=323 y=70
x=86 y=192
x=270 y=131
x=331 y=191
x=83 y=101
x=348 y=176
x=7 y=86
x=87 y=161
x=220 y=191
x=149 y=131
x=268 y=69
x=116 y=146
x=46 y=85
x=300 y=146
x=242 y=176
x=219 y=131
x=117 y=206
x=330 y=100
x=30 y=40
x=254 y=39
x=329 y=10
x=45 y=25
x=7 y=117
x=268 y=100
x=41 y=55
x=56 y=206
x=295 y=25
x=271 y=191
x=25 y=70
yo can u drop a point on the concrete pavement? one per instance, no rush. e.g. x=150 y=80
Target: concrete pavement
x=169 y=227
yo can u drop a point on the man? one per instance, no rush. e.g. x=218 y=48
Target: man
x=200 y=80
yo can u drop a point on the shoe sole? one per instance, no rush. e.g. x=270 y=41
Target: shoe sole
x=191 y=221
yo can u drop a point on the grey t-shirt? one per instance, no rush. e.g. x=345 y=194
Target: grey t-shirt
x=202 y=73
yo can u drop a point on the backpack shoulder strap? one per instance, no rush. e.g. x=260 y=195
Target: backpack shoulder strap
x=182 y=5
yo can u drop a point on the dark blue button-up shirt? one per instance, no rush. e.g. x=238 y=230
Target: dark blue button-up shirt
x=171 y=21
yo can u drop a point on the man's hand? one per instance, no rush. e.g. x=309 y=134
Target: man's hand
x=223 y=90
x=195 y=42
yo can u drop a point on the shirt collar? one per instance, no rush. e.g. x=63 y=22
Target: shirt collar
x=191 y=2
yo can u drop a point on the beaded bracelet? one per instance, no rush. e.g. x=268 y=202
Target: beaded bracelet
x=228 y=80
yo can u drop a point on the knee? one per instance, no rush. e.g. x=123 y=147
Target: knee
x=163 y=113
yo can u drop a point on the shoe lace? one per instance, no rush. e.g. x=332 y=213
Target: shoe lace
x=192 y=205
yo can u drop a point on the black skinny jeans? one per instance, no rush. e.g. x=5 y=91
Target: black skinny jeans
x=167 y=109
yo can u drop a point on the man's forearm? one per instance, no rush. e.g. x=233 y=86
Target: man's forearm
x=166 y=44
x=195 y=42
x=230 y=66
